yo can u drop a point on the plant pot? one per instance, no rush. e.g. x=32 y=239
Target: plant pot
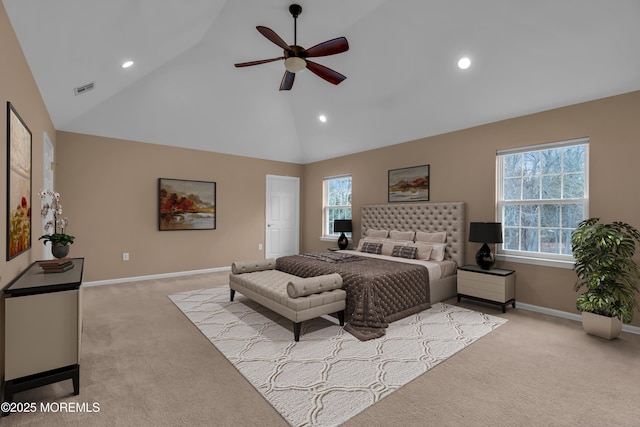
x=60 y=251
x=601 y=326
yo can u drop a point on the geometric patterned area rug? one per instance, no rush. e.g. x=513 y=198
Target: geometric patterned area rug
x=329 y=375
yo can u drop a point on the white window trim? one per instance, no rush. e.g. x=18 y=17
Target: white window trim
x=568 y=264
x=548 y=260
x=329 y=237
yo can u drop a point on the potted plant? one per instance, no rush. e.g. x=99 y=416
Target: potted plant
x=605 y=268
x=60 y=241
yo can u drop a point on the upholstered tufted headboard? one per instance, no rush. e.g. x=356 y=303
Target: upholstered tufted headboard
x=430 y=217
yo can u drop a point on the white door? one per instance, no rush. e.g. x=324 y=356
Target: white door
x=282 y=216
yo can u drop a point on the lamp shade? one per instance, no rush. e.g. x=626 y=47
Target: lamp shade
x=342 y=225
x=485 y=232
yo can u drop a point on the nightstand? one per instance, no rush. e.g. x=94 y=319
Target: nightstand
x=43 y=329
x=334 y=249
x=494 y=286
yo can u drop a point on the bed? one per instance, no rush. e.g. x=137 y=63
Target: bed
x=383 y=288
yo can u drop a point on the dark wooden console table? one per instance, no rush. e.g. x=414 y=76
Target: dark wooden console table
x=43 y=328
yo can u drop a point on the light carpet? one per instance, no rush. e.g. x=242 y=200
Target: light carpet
x=329 y=375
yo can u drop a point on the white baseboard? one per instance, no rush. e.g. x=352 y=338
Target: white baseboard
x=565 y=315
x=155 y=276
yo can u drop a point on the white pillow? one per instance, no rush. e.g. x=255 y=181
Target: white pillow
x=377 y=233
x=424 y=250
x=439 y=237
x=437 y=250
x=402 y=235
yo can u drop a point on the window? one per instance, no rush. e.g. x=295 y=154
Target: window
x=543 y=193
x=337 y=203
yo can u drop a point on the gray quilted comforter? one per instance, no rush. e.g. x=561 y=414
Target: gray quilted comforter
x=378 y=291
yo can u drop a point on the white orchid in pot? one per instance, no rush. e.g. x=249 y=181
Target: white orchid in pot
x=59 y=239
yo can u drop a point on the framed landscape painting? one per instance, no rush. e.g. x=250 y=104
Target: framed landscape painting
x=18 y=184
x=409 y=184
x=186 y=205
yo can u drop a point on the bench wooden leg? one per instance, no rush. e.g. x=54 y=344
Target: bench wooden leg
x=296 y=330
x=232 y=293
x=341 y=317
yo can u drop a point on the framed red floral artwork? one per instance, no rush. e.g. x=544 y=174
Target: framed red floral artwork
x=18 y=184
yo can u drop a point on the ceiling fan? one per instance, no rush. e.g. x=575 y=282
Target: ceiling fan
x=295 y=57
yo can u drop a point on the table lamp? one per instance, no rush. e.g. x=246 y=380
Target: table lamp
x=342 y=226
x=485 y=232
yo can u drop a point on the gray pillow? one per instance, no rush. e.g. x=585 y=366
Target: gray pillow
x=404 y=251
x=371 y=248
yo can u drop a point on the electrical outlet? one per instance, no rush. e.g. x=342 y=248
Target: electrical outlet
x=125 y=256
x=259 y=246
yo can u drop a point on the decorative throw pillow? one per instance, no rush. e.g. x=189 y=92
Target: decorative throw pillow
x=368 y=240
x=423 y=236
x=371 y=248
x=377 y=233
x=404 y=251
x=402 y=235
x=389 y=244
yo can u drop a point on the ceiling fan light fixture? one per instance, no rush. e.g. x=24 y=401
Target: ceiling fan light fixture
x=295 y=64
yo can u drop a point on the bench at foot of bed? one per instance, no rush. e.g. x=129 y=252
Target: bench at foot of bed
x=291 y=296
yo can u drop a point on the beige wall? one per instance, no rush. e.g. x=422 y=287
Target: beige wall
x=463 y=168
x=109 y=187
x=109 y=191
x=18 y=87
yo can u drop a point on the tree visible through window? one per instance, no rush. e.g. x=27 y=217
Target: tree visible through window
x=337 y=202
x=542 y=196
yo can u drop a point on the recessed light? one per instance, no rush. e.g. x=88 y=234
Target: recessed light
x=127 y=64
x=322 y=118
x=464 y=63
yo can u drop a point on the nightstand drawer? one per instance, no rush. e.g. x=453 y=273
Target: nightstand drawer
x=487 y=286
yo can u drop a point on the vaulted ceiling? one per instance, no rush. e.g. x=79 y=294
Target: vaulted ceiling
x=402 y=82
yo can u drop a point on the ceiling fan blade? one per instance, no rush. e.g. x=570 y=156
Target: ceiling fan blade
x=262 y=61
x=330 y=47
x=287 y=80
x=271 y=35
x=326 y=73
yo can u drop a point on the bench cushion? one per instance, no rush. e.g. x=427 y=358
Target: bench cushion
x=272 y=285
x=269 y=288
x=300 y=287
x=240 y=267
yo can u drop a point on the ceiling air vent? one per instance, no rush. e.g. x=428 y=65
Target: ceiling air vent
x=86 y=88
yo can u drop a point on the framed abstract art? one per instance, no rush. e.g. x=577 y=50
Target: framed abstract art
x=186 y=205
x=409 y=184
